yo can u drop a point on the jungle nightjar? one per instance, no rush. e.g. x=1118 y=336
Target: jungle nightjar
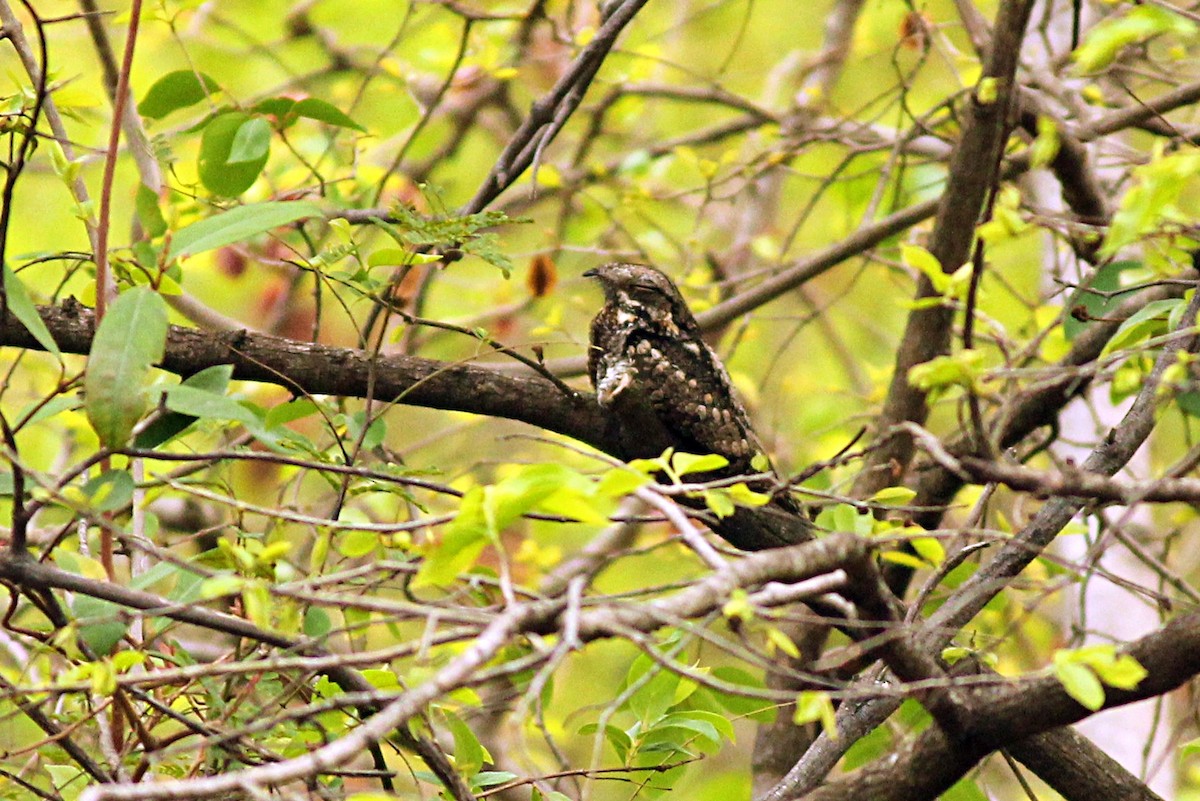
x=646 y=340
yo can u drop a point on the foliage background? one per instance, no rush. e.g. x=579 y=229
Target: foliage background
x=726 y=142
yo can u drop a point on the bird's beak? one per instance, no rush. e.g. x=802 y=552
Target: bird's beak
x=592 y=273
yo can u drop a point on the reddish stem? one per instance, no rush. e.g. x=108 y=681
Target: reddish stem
x=104 y=283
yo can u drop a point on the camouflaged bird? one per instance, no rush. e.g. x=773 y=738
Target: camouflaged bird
x=646 y=341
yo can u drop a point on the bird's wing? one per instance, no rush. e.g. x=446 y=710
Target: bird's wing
x=693 y=396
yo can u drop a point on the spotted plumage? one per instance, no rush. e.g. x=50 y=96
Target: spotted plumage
x=645 y=342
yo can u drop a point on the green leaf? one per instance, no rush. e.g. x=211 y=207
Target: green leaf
x=1046 y=146
x=618 y=739
x=354 y=544
x=1106 y=279
x=23 y=308
x=844 y=517
x=927 y=264
x=1146 y=322
x=216 y=145
x=685 y=463
x=319 y=110
x=220 y=586
x=1110 y=36
x=317 y=623
x=100 y=623
x=738 y=607
x=507 y=500
x=251 y=143
x=902 y=558
x=651 y=701
x=109 y=491
x=929 y=548
x=620 y=481
x=964 y=790
x=719 y=503
x=256 y=601
x=1124 y=672
x=1153 y=201
x=690 y=721
x=963 y=368
x=812 y=706
x=777 y=640
x=54 y=407
x=375 y=433
x=239 y=224
x=1080 y=682
x=494 y=778
x=758 y=709
x=469 y=753
x=166 y=427
x=894 y=496
x=290 y=412
x=1189 y=403
x=571 y=502
x=200 y=403
x=382 y=679
x=211 y=379
x=461 y=543
x=129 y=340
x=987 y=91
x=954 y=653
x=124 y=660
x=744 y=496
x=389 y=257
x=278 y=107
x=68 y=780
x=148 y=213
x=174 y=91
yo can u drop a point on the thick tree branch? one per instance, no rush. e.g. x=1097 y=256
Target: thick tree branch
x=994 y=576
x=1113 y=453
x=934 y=761
x=307 y=368
x=973 y=170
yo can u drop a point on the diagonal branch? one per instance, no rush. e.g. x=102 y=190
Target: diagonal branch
x=550 y=112
x=973 y=169
x=1117 y=447
x=791 y=564
x=934 y=761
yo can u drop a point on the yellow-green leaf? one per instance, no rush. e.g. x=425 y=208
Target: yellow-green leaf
x=777 y=640
x=129 y=340
x=813 y=706
x=929 y=549
x=1080 y=683
x=685 y=463
x=894 y=496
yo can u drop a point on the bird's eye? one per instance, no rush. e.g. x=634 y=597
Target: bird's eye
x=645 y=286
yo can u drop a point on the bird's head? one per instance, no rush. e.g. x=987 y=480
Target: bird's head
x=638 y=287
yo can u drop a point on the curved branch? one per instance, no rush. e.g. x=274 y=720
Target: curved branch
x=934 y=761
x=307 y=368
